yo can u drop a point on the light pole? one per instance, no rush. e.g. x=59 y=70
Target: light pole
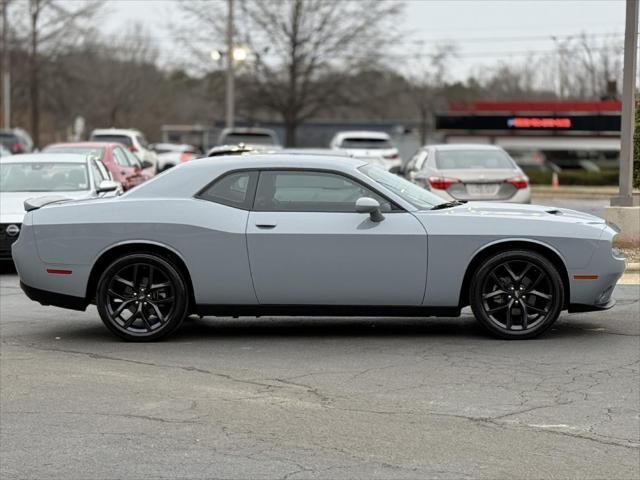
x=6 y=74
x=230 y=93
x=560 y=52
x=625 y=196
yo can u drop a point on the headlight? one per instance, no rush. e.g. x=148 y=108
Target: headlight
x=618 y=253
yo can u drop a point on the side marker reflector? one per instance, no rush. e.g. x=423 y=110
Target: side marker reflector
x=585 y=277
x=56 y=271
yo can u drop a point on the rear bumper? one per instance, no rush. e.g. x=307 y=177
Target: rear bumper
x=44 y=297
x=520 y=196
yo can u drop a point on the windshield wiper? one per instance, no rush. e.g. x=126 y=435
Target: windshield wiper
x=454 y=203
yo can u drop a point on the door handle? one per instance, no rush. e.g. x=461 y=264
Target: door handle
x=266 y=225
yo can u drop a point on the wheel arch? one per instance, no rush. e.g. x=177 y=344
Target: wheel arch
x=112 y=252
x=498 y=246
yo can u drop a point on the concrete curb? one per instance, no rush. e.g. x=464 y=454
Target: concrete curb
x=632 y=267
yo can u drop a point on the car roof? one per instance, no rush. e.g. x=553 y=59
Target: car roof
x=45 y=157
x=464 y=146
x=85 y=144
x=363 y=134
x=116 y=131
x=316 y=151
x=266 y=131
x=281 y=160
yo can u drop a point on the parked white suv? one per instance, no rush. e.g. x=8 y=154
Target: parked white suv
x=368 y=145
x=134 y=140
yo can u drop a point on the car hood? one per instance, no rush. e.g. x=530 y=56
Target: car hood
x=12 y=203
x=513 y=210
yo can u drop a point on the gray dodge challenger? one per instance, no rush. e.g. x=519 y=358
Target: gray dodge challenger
x=310 y=235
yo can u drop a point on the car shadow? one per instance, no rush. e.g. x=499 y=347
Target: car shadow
x=213 y=329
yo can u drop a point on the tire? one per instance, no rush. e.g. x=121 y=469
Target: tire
x=517 y=294
x=142 y=297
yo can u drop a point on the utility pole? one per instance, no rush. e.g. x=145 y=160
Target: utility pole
x=625 y=196
x=230 y=94
x=6 y=73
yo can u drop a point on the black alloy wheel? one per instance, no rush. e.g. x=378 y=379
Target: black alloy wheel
x=517 y=294
x=142 y=297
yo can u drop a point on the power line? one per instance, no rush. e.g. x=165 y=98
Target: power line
x=514 y=38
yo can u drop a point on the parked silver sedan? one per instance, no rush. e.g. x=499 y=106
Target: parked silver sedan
x=287 y=234
x=469 y=172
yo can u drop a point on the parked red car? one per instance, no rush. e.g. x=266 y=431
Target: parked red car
x=124 y=166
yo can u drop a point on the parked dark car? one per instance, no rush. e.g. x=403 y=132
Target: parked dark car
x=15 y=141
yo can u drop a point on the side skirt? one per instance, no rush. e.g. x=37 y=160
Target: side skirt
x=324 y=311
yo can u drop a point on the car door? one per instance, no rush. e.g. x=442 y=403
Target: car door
x=307 y=245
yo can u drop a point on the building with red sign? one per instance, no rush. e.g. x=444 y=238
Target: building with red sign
x=569 y=133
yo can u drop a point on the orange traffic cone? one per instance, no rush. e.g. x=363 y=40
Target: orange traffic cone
x=555 y=182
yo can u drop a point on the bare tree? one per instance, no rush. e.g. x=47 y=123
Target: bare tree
x=428 y=85
x=302 y=51
x=53 y=26
x=306 y=50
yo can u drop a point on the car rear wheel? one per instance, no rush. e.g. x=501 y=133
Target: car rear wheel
x=142 y=297
x=517 y=294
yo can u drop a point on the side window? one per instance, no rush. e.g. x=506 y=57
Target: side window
x=421 y=161
x=133 y=160
x=234 y=190
x=96 y=173
x=106 y=174
x=293 y=191
x=142 y=141
x=120 y=157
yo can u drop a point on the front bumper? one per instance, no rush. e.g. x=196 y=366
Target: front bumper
x=592 y=286
x=581 y=307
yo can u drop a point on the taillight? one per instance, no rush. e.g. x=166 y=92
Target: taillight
x=132 y=148
x=16 y=148
x=393 y=156
x=185 y=156
x=442 y=183
x=519 y=182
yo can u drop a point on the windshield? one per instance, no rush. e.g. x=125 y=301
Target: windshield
x=368 y=143
x=92 y=151
x=249 y=138
x=416 y=196
x=43 y=177
x=473 y=159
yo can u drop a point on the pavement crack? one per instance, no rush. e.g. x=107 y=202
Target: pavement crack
x=97 y=356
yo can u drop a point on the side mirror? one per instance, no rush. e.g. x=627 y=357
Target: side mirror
x=146 y=164
x=370 y=206
x=396 y=169
x=107 y=186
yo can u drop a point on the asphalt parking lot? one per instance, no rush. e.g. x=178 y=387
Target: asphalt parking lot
x=318 y=398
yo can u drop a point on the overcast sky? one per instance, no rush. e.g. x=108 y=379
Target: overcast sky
x=484 y=31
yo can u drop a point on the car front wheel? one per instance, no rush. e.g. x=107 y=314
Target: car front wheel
x=142 y=297
x=517 y=294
